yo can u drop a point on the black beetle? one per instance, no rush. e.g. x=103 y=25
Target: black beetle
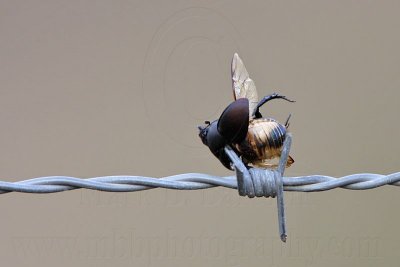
x=256 y=139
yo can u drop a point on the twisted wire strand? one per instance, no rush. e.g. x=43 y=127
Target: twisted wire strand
x=193 y=181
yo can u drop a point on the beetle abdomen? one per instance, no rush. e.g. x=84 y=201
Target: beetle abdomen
x=264 y=140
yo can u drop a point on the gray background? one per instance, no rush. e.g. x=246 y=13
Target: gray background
x=92 y=88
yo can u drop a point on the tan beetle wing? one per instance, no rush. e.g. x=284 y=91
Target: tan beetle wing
x=243 y=86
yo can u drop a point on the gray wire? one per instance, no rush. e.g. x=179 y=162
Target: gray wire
x=193 y=181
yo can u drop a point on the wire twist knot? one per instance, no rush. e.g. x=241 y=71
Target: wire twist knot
x=260 y=183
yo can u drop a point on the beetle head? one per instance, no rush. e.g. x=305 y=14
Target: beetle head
x=210 y=136
x=203 y=132
x=231 y=127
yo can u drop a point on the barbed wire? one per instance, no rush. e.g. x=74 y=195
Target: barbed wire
x=194 y=181
x=251 y=182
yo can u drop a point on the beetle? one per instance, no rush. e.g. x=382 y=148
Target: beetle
x=257 y=140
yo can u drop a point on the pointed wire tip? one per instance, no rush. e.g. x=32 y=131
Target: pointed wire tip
x=284 y=238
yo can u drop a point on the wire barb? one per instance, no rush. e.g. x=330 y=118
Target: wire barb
x=262 y=182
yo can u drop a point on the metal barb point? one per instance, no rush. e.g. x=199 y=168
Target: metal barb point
x=279 y=184
x=249 y=182
x=283 y=238
x=242 y=173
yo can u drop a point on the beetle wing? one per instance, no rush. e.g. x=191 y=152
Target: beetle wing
x=243 y=86
x=233 y=123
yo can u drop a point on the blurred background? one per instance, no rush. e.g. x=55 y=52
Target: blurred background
x=94 y=88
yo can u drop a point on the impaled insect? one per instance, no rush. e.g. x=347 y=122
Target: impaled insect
x=256 y=139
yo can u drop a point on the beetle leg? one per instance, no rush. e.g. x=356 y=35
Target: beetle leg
x=270 y=165
x=267 y=98
x=265 y=165
x=287 y=121
x=289 y=161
